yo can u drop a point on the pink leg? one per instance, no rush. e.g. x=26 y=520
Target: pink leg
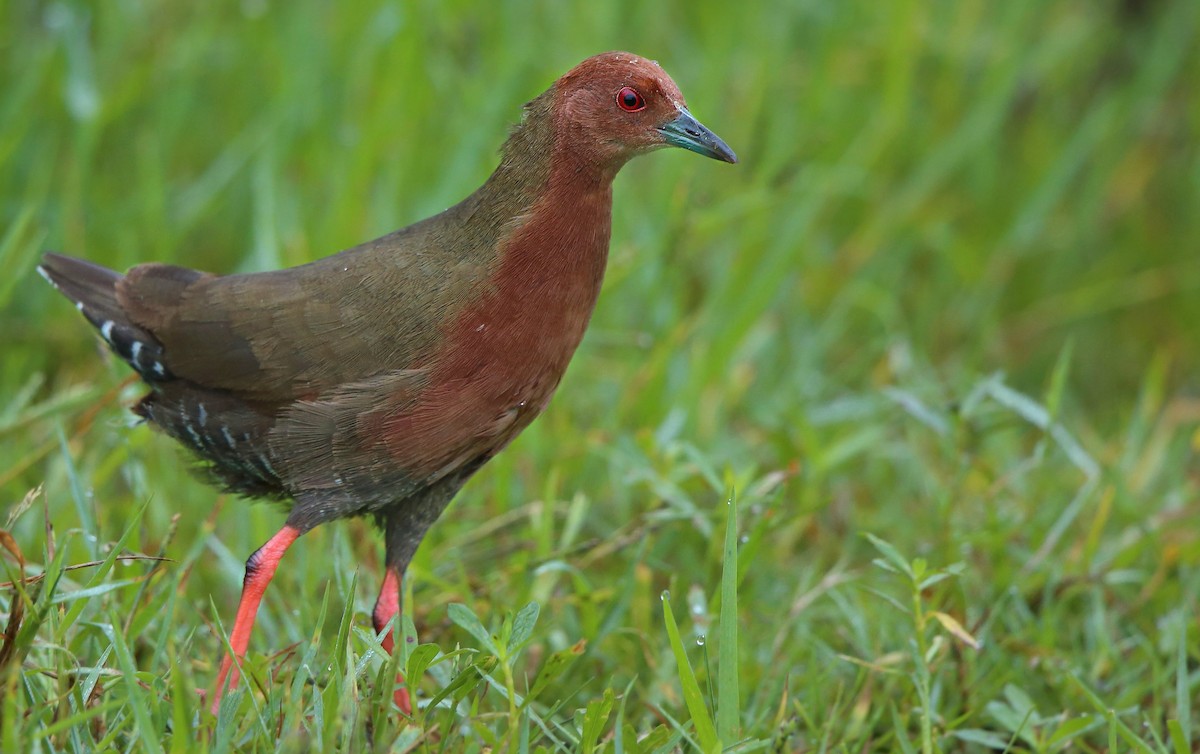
x=260 y=568
x=387 y=607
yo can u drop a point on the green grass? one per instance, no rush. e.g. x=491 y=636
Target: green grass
x=937 y=332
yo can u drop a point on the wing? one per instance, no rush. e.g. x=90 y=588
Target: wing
x=278 y=336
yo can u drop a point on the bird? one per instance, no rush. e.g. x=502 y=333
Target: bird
x=376 y=381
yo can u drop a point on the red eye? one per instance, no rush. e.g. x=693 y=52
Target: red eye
x=629 y=100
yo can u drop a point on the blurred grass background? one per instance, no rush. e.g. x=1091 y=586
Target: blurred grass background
x=949 y=297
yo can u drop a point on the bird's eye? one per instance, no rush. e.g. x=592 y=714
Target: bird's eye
x=629 y=100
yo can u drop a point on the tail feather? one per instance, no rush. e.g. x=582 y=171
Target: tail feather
x=93 y=288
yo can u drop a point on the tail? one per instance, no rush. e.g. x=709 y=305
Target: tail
x=94 y=290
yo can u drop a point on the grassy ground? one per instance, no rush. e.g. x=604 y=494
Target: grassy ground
x=938 y=331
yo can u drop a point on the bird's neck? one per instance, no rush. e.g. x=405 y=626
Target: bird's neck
x=539 y=166
x=549 y=261
x=554 y=206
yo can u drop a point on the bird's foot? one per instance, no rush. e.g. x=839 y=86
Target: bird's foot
x=401 y=697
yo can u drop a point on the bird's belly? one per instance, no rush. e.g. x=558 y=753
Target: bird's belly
x=468 y=415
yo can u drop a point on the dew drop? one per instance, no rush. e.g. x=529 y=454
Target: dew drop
x=700 y=640
x=666 y=595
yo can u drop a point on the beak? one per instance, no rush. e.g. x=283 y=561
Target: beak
x=687 y=132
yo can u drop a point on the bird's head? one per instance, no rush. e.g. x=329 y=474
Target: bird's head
x=618 y=105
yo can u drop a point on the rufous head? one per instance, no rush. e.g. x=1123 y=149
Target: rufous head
x=618 y=105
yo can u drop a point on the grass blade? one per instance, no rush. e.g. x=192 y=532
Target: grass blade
x=728 y=696
x=137 y=701
x=706 y=735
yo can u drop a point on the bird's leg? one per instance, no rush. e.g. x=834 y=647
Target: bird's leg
x=386 y=608
x=404 y=525
x=259 y=569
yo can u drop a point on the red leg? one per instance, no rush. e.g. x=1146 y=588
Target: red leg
x=260 y=568
x=387 y=607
